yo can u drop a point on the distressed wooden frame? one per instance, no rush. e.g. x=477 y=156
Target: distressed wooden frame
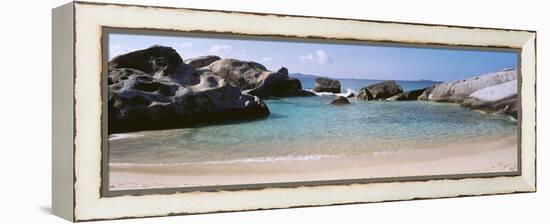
x=77 y=193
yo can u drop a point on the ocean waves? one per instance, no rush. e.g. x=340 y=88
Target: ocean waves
x=345 y=94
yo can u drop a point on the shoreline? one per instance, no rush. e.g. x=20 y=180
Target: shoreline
x=495 y=154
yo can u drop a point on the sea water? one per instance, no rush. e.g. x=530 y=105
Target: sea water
x=310 y=128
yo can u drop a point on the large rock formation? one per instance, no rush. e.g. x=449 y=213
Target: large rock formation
x=426 y=93
x=407 y=96
x=154 y=89
x=277 y=85
x=340 y=100
x=493 y=92
x=364 y=94
x=458 y=90
x=151 y=60
x=326 y=85
x=499 y=98
x=381 y=90
x=202 y=61
x=255 y=79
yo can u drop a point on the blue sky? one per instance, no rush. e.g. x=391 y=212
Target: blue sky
x=332 y=60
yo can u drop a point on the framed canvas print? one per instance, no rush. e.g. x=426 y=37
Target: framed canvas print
x=168 y=111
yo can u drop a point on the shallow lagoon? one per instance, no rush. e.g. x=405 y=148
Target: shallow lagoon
x=310 y=128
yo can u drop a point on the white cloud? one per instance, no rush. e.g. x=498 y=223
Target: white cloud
x=220 y=48
x=190 y=54
x=267 y=59
x=185 y=45
x=318 y=56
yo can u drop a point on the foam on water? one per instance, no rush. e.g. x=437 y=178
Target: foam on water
x=113 y=137
x=344 y=94
x=268 y=159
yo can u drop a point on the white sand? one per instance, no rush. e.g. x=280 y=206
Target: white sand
x=490 y=155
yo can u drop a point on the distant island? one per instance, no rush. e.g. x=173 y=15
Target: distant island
x=305 y=76
x=298 y=75
x=427 y=80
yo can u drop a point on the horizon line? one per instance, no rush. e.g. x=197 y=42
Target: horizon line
x=420 y=79
x=322 y=76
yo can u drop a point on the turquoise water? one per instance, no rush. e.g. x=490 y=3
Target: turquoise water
x=308 y=128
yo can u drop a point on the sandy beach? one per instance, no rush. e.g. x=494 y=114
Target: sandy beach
x=497 y=154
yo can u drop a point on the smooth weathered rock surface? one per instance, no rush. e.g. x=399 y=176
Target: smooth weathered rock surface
x=493 y=92
x=340 y=100
x=407 y=96
x=277 y=85
x=326 y=85
x=202 y=61
x=170 y=93
x=150 y=60
x=507 y=106
x=383 y=90
x=255 y=79
x=426 y=93
x=497 y=92
x=501 y=98
x=457 y=91
x=364 y=94
x=242 y=74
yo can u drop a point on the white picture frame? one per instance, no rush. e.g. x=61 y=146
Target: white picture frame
x=77 y=190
